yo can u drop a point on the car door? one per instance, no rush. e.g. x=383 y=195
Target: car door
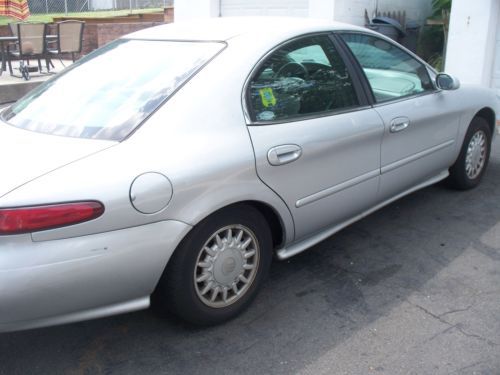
x=421 y=122
x=316 y=141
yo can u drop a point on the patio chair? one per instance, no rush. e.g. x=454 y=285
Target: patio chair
x=11 y=46
x=31 y=45
x=13 y=31
x=69 y=39
x=13 y=28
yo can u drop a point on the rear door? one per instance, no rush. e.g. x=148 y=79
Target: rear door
x=421 y=123
x=316 y=140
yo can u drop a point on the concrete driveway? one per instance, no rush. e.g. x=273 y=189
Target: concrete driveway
x=412 y=289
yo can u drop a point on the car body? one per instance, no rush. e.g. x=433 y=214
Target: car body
x=240 y=124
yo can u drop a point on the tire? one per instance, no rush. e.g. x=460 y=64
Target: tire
x=193 y=274
x=472 y=161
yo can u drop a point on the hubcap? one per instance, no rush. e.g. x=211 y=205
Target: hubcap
x=476 y=155
x=226 y=266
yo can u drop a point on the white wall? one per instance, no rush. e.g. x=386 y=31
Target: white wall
x=192 y=9
x=352 y=11
x=101 y=4
x=292 y=8
x=321 y=9
x=417 y=10
x=471 y=42
x=349 y=11
x=495 y=79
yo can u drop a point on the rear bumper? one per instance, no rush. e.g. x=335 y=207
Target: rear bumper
x=61 y=281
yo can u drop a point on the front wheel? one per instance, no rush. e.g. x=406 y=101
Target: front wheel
x=218 y=268
x=471 y=164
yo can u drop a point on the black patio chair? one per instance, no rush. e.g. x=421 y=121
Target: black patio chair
x=69 y=39
x=31 y=45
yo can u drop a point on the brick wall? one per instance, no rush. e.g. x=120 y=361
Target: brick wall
x=106 y=32
x=5 y=31
x=96 y=35
x=168 y=14
x=89 y=38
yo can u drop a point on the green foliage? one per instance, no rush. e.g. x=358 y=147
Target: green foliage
x=439 y=5
x=437 y=62
x=430 y=42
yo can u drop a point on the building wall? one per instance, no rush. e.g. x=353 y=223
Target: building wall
x=472 y=38
x=352 y=11
x=495 y=79
x=349 y=11
x=294 y=8
x=192 y=9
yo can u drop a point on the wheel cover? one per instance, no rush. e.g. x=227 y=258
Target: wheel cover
x=226 y=266
x=475 y=157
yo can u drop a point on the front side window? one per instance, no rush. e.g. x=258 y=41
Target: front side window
x=304 y=77
x=391 y=72
x=108 y=93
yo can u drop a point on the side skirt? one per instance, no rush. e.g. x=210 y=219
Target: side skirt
x=298 y=247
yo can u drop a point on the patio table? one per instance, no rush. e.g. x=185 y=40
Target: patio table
x=4 y=40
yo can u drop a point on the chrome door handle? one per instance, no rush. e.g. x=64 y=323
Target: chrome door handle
x=399 y=123
x=284 y=154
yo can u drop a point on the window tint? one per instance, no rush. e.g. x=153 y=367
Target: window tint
x=108 y=93
x=304 y=77
x=392 y=72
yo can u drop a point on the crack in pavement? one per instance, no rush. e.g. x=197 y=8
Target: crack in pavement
x=457 y=310
x=466 y=367
x=458 y=326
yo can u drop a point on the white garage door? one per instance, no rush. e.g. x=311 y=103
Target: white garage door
x=297 y=8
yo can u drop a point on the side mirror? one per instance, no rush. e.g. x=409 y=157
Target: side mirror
x=446 y=82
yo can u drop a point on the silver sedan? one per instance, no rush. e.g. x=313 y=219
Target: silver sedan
x=174 y=163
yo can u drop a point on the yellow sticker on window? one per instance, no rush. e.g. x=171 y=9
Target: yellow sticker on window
x=267 y=97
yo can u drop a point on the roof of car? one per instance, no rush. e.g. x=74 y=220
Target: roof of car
x=225 y=28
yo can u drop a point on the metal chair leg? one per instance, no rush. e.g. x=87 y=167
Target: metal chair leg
x=2 y=52
x=9 y=61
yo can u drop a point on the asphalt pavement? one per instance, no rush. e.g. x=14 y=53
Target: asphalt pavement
x=412 y=289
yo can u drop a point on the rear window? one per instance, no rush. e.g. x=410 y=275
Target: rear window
x=108 y=93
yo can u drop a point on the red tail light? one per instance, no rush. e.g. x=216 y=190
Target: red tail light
x=36 y=218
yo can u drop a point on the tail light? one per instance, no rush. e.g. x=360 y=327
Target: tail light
x=36 y=218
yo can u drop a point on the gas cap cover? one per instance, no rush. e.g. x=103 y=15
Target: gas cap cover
x=150 y=192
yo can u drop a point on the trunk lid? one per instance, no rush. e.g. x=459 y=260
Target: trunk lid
x=26 y=155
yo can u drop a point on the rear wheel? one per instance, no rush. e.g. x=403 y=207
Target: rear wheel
x=470 y=165
x=218 y=268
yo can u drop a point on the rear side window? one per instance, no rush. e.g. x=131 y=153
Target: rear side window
x=110 y=92
x=391 y=72
x=305 y=77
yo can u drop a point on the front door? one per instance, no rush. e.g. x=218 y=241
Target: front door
x=421 y=123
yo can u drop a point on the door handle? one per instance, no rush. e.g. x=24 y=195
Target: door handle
x=399 y=123
x=284 y=154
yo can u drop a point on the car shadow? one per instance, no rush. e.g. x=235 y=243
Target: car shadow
x=309 y=305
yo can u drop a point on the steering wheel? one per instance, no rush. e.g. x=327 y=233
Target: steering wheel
x=293 y=69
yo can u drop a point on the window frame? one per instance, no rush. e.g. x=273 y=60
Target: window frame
x=366 y=83
x=363 y=100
